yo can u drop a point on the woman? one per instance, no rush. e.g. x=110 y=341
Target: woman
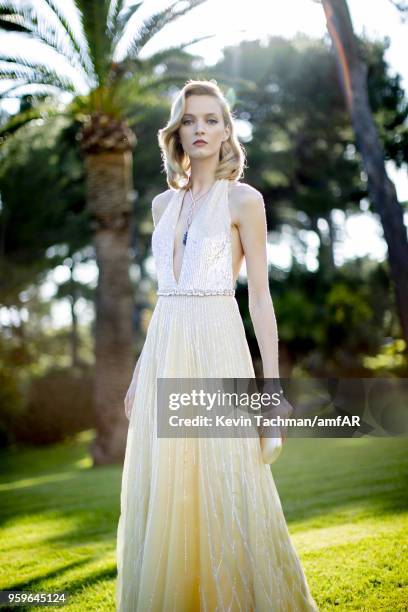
x=201 y=525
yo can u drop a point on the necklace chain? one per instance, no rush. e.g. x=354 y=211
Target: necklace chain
x=192 y=207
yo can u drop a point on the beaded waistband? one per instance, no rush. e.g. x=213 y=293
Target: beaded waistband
x=202 y=292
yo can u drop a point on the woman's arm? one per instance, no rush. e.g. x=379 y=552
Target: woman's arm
x=253 y=234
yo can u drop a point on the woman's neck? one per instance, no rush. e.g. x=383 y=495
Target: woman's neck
x=201 y=178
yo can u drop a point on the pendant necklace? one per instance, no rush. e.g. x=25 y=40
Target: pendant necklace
x=190 y=213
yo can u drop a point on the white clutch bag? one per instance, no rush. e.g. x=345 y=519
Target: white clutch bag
x=271 y=449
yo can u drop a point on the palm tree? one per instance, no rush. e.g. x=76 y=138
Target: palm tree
x=92 y=47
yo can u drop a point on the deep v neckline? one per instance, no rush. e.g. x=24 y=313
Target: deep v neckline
x=180 y=199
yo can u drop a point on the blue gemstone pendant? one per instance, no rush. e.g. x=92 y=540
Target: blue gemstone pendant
x=185 y=237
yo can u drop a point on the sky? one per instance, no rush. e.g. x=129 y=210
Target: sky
x=232 y=21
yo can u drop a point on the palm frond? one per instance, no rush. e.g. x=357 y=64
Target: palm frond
x=27 y=67
x=153 y=24
x=145 y=84
x=41 y=90
x=94 y=19
x=127 y=94
x=41 y=75
x=23 y=117
x=5 y=93
x=16 y=11
x=39 y=29
x=170 y=52
x=146 y=65
x=80 y=50
x=115 y=8
x=20 y=61
x=10 y=21
x=121 y=19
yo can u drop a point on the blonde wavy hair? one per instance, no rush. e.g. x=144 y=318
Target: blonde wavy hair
x=176 y=162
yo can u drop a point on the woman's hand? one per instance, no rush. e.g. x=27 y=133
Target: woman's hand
x=284 y=409
x=273 y=432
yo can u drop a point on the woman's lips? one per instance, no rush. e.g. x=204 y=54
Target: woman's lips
x=199 y=143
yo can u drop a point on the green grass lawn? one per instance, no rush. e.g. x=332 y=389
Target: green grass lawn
x=345 y=501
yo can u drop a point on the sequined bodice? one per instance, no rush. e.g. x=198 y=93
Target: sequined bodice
x=206 y=267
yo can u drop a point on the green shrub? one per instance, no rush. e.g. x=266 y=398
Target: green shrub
x=11 y=405
x=59 y=405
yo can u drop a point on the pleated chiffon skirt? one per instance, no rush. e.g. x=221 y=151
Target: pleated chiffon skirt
x=201 y=525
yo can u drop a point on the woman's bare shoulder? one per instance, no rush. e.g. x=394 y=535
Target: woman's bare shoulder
x=243 y=198
x=242 y=192
x=159 y=204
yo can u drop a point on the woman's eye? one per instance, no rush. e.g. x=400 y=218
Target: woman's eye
x=187 y=121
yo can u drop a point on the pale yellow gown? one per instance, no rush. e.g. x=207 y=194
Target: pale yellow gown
x=201 y=525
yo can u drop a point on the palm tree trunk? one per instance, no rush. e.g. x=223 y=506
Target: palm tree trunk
x=353 y=72
x=109 y=184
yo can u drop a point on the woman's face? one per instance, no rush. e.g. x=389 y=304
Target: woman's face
x=202 y=120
